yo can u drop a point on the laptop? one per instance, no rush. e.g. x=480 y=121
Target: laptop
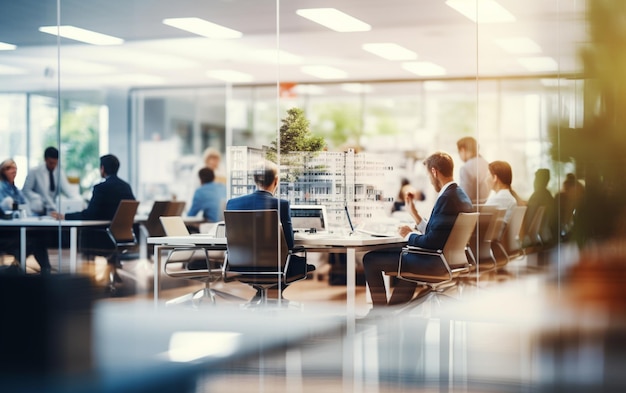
x=309 y=218
x=371 y=229
x=70 y=206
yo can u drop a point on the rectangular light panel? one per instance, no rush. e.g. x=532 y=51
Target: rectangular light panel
x=390 y=51
x=482 y=11
x=202 y=27
x=334 y=19
x=82 y=35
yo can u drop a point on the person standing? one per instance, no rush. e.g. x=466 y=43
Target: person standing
x=473 y=175
x=433 y=233
x=45 y=182
x=208 y=198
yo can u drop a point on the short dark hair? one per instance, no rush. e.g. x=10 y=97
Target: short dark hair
x=442 y=162
x=542 y=177
x=469 y=144
x=206 y=175
x=265 y=173
x=51 y=152
x=110 y=163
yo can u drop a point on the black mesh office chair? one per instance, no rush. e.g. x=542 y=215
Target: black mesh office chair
x=178 y=259
x=257 y=253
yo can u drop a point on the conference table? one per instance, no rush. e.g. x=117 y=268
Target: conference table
x=348 y=243
x=49 y=223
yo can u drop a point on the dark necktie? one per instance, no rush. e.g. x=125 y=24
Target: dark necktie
x=51 y=180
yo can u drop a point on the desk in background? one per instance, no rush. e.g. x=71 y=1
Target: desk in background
x=348 y=244
x=49 y=223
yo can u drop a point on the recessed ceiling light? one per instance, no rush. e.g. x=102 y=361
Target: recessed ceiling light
x=357 y=88
x=229 y=76
x=518 y=45
x=540 y=63
x=334 y=19
x=202 y=27
x=82 y=35
x=390 y=51
x=8 y=70
x=324 y=72
x=424 y=68
x=309 y=89
x=275 y=56
x=482 y=11
x=435 y=86
x=6 y=46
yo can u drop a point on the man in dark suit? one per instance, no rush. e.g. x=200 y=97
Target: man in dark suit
x=103 y=204
x=434 y=233
x=106 y=195
x=266 y=179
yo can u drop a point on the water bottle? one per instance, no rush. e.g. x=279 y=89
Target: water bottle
x=16 y=211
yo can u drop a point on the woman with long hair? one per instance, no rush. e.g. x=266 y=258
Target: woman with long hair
x=503 y=196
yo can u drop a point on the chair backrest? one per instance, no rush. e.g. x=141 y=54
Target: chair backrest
x=496 y=225
x=252 y=240
x=175 y=208
x=121 y=227
x=174 y=226
x=153 y=224
x=533 y=235
x=511 y=236
x=454 y=250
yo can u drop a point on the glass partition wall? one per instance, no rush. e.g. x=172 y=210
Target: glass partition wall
x=158 y=95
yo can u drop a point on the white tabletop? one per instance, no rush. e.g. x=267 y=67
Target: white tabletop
x=50 y=222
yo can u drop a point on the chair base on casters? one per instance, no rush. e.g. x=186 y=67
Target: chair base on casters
x=197 y=297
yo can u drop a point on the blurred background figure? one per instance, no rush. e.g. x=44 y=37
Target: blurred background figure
x=11 y=198
x=212 y=159
x=474 y=173
x=400 y=201
x=541 y=196
x=46 y=182
x=568 y=200
x=504 y=197
x=209 y=198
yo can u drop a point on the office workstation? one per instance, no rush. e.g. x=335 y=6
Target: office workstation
x=520 y=302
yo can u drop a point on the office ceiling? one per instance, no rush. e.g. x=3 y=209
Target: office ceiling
x=155 y=54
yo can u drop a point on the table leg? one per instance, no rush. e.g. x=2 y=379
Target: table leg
x=157 y=272
x=73 y=249
x=350 y=282
x=23 y=248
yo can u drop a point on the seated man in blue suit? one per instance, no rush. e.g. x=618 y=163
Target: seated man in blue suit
x=433 y=233
x=266 y=179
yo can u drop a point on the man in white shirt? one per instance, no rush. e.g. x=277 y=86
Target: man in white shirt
x=45 y=182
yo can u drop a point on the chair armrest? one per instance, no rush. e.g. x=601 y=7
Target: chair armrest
x=420 y=249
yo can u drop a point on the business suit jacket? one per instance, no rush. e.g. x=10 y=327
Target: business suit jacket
x=106 y=197
x=261 y=200
x=37 y=188
x=451 y=202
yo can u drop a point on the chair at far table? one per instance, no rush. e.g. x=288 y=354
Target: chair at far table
x=182 y=256
x=257 y=253
x=113 y=241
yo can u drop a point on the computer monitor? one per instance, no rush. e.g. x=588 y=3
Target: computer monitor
x=309 y=218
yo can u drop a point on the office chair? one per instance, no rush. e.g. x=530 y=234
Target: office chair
x=182 y=256
x=257 y=253
x=437 y=269
x=113 y=241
